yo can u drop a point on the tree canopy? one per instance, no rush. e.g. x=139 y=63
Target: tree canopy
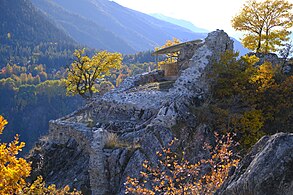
x=249 y=98
x=266 y=24
x=84 y=71
x=170 y=57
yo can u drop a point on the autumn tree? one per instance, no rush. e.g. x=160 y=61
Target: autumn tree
x=266 y=24
x=85 y=71
x=170 y=57
x=14 y=171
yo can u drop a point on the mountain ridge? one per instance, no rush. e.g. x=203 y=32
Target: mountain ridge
x=132 y=29
x=180 y=22
x=84 y=33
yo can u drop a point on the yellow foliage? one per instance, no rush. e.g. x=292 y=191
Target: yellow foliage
x=264 y=76
x=3 y=122
x=176 y=175
x=171 y=57
x=249 y=99
x=38 y=187
x=266 y=24
x=84 y=71
x=250 y=60
x=249 y=126
x=14 y=171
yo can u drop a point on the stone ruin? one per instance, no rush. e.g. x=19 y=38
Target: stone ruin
x=145 y=111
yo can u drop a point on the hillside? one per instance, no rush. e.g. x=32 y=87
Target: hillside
x=104 y=24
x=25 y=31
x=83 y=30
x=145 y=118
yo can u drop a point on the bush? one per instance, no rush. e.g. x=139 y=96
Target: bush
x=14 y=171
x=176 y=175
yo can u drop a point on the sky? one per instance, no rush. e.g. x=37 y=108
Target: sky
x=207 y=14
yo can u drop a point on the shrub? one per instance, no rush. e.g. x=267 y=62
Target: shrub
x=176 y=175
x=113 y=141
x=14 y=171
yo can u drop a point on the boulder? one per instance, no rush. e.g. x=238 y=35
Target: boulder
x=267 y=169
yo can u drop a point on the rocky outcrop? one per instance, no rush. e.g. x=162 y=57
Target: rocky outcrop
x=144 y=116
x=269 y=57
x=267 y=169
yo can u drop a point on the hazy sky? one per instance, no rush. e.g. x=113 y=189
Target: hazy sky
x=208 y=14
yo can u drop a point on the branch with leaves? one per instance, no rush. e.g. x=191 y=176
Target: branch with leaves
x=176 y=175
x=14 y=171
x=85 y=71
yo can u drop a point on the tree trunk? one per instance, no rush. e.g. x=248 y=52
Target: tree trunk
x=267 y=41
x=259 y=43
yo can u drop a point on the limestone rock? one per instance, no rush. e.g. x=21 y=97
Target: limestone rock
x=267 y=169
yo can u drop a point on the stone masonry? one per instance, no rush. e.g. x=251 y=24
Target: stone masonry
x=145 y=119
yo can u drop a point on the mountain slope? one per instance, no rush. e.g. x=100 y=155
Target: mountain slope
x=27 y=25
x=179 y=22
x=97 y=18
x=81 y=29
x=25 y=30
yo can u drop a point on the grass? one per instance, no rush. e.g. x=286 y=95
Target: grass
x=113 y=141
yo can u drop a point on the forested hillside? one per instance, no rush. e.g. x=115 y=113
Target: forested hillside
x=30 y=97
x=28 y=36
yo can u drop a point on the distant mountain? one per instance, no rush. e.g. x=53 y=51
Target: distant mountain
x=26 y=31
x=104 y=24
x=180 y=22
x=239 y=47
x=186 y=24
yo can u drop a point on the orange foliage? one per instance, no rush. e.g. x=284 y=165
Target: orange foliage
x=176 y=175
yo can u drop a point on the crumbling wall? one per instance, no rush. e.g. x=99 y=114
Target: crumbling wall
x=146 y=120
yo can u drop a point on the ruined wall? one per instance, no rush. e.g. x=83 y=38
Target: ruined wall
x=145 y=119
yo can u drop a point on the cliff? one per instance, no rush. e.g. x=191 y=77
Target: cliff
x=145 y=112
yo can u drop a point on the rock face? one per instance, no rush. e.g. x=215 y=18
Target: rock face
x=267 y=169
x=144 y=113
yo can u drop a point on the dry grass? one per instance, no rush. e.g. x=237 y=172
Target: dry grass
x=113 y=141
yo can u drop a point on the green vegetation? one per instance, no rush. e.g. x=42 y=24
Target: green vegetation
x=33 y=94
x=248 y=99
x=27 y=36
x=30 y=97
